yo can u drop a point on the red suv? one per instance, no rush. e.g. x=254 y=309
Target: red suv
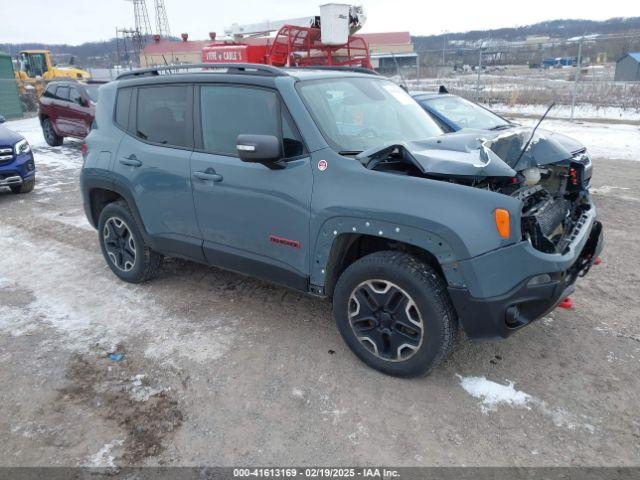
x=67 y=109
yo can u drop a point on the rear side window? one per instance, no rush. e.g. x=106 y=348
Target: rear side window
x=62 y=93
x=162 y=115
x=122 y=107
x=230 y=111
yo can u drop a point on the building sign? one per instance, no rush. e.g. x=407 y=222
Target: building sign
x=225 y=54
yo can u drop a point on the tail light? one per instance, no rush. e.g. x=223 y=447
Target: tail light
x=83 y=149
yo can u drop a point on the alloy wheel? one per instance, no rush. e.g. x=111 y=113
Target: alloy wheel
x=386 y=320
x=119 y=244
x=48 y=132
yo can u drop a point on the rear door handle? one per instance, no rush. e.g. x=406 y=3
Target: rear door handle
x=131 y=161
x=209 y=176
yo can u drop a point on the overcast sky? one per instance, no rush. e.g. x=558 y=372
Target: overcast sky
x=78 y=21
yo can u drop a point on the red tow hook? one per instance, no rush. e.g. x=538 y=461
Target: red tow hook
x=597 y=261
x=567 y=303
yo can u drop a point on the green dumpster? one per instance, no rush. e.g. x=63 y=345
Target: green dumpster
x=9 y=97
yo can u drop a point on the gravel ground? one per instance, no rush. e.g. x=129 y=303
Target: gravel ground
x=219 y=369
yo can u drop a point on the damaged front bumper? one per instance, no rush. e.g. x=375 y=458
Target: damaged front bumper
x=511 y=287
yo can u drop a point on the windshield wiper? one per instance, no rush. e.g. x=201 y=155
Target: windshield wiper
x=347 y=153
x=501 y=127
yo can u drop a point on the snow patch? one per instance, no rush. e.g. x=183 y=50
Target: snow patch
x=605 y=189
x=140 y=392
x=90 y=307
x=72 y=219
x=493 y=394
x=103 y=458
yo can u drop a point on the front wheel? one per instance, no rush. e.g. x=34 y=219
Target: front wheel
x=395 y=314
x=123 y=246
x=25 y=187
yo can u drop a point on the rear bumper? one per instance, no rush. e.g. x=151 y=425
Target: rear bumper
x=501 y=315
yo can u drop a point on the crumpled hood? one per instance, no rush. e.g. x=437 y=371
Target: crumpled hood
x=477 y=153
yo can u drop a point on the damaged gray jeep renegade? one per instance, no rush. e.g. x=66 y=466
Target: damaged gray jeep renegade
x=338 y=184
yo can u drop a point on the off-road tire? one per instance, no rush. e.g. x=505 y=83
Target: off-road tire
x=147 y=262
x=24 y=187
x=422 y=284
x=50 y=135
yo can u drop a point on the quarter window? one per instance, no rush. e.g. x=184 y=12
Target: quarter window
x=162 y=115
x=49 y=92
x=122 y=107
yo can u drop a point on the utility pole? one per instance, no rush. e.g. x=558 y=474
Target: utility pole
x=577 y=78
x=162 y=21
x=444 y=46
x=479 y=69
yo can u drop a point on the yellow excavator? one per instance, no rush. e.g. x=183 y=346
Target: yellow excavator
x=35 y=69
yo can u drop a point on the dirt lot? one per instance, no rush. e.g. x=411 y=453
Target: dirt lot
x=219 y=369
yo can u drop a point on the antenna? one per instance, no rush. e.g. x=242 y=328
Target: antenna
x=533 y=132
x=162 y=21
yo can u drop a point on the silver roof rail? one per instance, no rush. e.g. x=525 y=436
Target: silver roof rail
x=233 y=68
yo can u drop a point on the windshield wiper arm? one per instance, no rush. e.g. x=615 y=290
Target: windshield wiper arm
x=501 y=127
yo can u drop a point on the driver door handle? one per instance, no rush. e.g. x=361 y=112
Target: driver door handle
x=209 y=175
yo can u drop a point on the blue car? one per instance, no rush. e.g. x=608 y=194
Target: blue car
x=453 y=113
x=17 y=168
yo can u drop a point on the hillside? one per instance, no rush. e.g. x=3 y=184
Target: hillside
x=104 y=53
x=558 y=29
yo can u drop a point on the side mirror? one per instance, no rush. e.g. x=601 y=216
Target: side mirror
x=264 y=149
x=2 y=119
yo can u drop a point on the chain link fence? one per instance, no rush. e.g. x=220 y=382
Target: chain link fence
x=579 y=70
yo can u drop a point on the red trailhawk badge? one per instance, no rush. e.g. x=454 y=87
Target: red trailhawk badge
x=322 y=165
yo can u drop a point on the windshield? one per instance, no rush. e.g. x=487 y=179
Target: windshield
x=93 y=93
x=355 y=114
x=465 y=114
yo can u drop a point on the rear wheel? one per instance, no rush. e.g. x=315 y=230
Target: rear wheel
x=394 y=312
x=25 y=187
x=123 y=246
x=50 y=135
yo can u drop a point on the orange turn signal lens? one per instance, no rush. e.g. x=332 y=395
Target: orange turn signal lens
x=501 y=216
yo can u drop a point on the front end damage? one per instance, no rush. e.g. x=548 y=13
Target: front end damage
x=558 y=237
x=550 y=181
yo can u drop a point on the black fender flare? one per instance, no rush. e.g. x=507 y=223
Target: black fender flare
x=330 y=236
x=91 y=182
